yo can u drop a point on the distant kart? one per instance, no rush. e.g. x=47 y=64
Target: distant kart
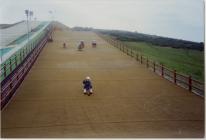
x=94 y=44
x=81 y=45
x=64 y=45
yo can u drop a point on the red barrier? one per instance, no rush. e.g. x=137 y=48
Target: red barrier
x=10 y=86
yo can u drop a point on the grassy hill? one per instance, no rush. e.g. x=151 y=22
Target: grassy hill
x=185 y=61
x=153 y=39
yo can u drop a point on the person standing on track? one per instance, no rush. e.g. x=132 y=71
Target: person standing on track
x=87 y=86
x=64 y=45
x=81 y=45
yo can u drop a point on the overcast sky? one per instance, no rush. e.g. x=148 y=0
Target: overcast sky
x=183 y=19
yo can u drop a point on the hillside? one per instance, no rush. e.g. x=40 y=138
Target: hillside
x=184 y=61
x=153 y=39
x=3 y=26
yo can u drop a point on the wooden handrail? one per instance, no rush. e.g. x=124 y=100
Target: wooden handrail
x=163 y=69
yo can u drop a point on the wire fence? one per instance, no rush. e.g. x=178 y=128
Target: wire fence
x=181 y=80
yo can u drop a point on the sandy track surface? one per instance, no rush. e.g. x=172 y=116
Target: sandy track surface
x=128 y=100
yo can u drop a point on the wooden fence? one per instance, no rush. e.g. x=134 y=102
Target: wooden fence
x=181 y=80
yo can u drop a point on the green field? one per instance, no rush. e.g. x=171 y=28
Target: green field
x=184 y=61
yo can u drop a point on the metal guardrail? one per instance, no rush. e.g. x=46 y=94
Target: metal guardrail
x=19 y=55
x=17 y=75
x=181 y=80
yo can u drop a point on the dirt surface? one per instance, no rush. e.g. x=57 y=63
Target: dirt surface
x=128 y=100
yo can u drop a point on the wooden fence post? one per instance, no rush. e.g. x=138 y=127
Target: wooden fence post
x=190 y=83
x=162 y=70
x=154 y=66
x=175 y=75
x=147 y=63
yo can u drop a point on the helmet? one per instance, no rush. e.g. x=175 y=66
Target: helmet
x=88 y=78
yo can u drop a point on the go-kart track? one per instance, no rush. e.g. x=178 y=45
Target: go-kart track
x=128 y=100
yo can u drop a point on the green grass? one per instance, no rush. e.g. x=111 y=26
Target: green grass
x=184 y=61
